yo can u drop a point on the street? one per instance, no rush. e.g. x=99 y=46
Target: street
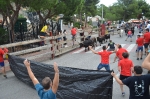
x=12 y=88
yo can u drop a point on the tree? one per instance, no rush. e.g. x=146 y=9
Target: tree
x=10 y=10
x=125 y=9
x=144 y=8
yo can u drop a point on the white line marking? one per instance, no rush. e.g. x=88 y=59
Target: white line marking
x=95 y=49
x=130 y=47
x=79 y=50
x=123 y=45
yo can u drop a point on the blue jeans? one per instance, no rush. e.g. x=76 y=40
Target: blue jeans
x=140 y=48
x=1 y=64
x=106 y=66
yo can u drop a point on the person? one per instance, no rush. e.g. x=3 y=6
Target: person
x=59 y=36
x=2 y=65
x=48 y=88
x=138 y=84
x=73 y=33
x=104 y=58
x=119 y=53
x=125 y=68
x=148 y=25
x=64 y=37
x=111 y=46
x=129 y=35
x=146 y=41
x=139 y=42
x=44 y=32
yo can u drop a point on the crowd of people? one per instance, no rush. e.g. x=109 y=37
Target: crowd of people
x=138 y=84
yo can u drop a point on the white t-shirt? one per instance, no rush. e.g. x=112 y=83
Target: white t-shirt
x=148 y=26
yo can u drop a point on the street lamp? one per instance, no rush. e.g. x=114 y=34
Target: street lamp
x=61 y=21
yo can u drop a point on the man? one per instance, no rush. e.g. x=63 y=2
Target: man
x=44 y=32
x=73 y=33
x=48 y=88
x=138 y=84
x=119 y=53
x=139 y=42
x=104 y=58
x=146 y=41
x=111 y=46
x=2 y=65
x=125 y=68
x=129 y=35
x=148 y=25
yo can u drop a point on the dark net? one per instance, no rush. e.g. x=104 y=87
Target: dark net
x=74 y=83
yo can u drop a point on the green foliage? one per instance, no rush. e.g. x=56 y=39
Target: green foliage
x=77 y=24
x=20 y=16
x=3 y=36
x=125 y=9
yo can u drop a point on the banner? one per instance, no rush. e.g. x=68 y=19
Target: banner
x=74 y=83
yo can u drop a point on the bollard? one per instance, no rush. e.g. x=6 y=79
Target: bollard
x=52 y=48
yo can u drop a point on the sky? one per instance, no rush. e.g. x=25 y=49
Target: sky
x=110 y=2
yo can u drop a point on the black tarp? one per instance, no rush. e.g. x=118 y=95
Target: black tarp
x=74 y=83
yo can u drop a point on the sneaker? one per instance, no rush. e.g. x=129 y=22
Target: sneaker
x=5 y=76
x=123 y=93
x=137 y=58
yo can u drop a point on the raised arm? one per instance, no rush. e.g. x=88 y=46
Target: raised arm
x=117 y=79
x=146 y=62
x=31 y=75
x=56 y=78
x=90 y=47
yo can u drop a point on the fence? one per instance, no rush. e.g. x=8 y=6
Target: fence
x=46 y=52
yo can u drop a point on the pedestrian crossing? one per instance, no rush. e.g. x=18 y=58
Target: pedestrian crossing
x=128 y=47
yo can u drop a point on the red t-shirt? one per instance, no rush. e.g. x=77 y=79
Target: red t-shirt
x=146 y=37
x=105 y=56
x=73 y=31
x=129 y=32
x=1 y=55
x=126 y=65
x=119 y=53
x=140 y=41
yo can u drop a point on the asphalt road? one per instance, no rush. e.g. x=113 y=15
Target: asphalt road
x=12 y=88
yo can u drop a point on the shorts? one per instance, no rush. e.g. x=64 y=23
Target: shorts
x=1 y=64
x=130 y=36
x=146 y=45
x=106 y=66
x=73 y=36
x=122 y=77
x=59 y=38
x=42 y=34
x=140 y=48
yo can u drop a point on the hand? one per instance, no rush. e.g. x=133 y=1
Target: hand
x=90 y=47
x=113 y=74
x=27 y=63
x=56 y=67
